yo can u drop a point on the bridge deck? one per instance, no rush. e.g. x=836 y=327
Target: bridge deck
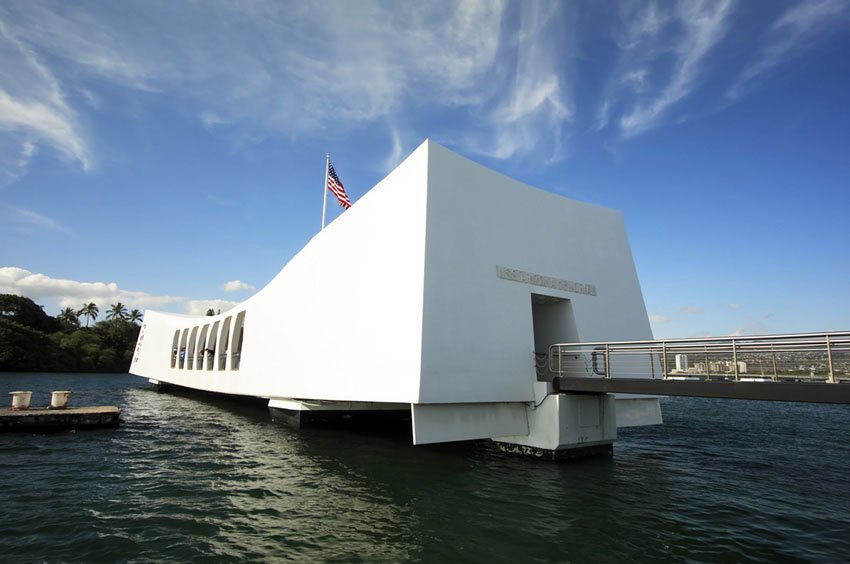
x=812 y=367
x=817 y=392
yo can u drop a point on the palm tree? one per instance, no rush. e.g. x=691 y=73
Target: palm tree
x=89 y=311
x=117 y=311
x=69 y=316
x=134 y=315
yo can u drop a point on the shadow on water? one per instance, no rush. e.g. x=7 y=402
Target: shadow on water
x=191 y=479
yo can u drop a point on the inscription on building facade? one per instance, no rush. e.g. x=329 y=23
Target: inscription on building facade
x=545 y=281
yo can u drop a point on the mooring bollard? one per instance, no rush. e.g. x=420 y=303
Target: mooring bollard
x=20 y=400
x=59 y=400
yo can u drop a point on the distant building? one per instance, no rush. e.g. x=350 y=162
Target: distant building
x=681 y=363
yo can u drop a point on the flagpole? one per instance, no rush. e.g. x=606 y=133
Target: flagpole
x=325 y=188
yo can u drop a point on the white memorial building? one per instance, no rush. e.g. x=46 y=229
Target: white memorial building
x=430 y=297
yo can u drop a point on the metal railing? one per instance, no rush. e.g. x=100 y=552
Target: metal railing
x=806 y=357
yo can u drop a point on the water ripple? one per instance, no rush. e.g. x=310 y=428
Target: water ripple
x=190 y=480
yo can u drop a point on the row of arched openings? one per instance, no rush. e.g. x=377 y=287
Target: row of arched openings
x=216 y=346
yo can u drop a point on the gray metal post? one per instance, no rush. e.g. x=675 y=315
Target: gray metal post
x=775 y=371
x=735 y=358
x=607 y=363
x=560 y=362
x=651 y=364
x=831 y=379
x=664 y=358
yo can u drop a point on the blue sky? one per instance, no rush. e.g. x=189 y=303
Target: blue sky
x=170 y=155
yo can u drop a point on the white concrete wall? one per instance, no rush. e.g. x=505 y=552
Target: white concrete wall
x=390 y=304
x=478 y=339
x=342 y=320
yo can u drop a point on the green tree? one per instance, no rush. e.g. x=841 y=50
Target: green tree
x=24 y=348
x=119 y=336
x=89 y=311
x=26 y=312
x=69 y=319
x=32 y=340
x=117 y=311
x=210 y=312
x=83 y=350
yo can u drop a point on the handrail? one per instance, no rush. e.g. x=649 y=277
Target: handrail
x=804 y=356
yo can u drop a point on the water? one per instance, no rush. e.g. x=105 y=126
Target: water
x=185 y=479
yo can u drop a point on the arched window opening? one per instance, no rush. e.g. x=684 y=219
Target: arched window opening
x=190 y=353
x=182 y=352
x=224 y=342
x=174 y=344
x=202 y=346
x=211 y=345
x=238 y=333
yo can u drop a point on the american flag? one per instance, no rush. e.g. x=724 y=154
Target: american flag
x=335 y=186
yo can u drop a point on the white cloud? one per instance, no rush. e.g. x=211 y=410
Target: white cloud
x=535 y=102
x=70 y=293
x=28 y=149
x=397 y=152
x=797 y=28
x=636 y=79
x=734 y=306
x=280 y=67
x=61 y=293
x=646 y=24
x=751 y=328
x=656 y=319
x=32 y=220
x=288 y=68
x=211 y=120
x=236 y=286
x=200 y=307
x=703 y=24
x=33 y=105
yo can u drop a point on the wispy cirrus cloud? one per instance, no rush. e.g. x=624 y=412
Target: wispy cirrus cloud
x=796 y=29
x=696 y=27
x=33 y=108
x=15 y=157
x=29 y=220
x=657 y=319
x=536 y=100
x=288 y=68
x=491 y=77
x=396 y=154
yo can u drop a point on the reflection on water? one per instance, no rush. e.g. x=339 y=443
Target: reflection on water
x=188 y=479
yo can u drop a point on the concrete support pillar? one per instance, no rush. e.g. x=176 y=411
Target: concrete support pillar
x=567 y=426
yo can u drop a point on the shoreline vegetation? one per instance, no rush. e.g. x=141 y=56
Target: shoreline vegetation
x=33 y=341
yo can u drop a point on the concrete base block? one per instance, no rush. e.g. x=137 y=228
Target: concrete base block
x=603 y=449
x=360 y=415
x=567 y=426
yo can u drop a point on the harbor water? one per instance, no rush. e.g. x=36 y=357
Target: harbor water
x=194 y=479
